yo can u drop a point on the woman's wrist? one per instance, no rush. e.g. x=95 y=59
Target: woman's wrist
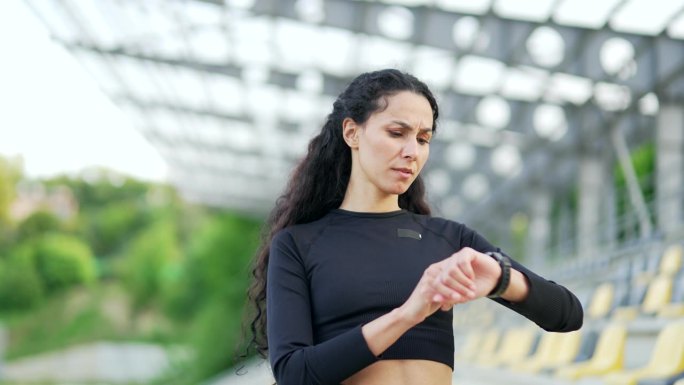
x=383 y=331
x=407 y=317
x=518 y=289
x=504 y=276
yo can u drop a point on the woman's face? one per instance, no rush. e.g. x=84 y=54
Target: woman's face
x=393 y=144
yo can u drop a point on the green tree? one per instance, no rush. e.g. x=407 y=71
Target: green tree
x=104 y=188
x=38 y=223
x=10 y=173
x=111 y=227
x=20 y=285
x=213 y=288
x=150 y=256
x=63 y=261
x=644 y=162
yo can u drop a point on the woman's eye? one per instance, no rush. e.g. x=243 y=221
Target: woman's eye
x=395 y=134
x=423 y=141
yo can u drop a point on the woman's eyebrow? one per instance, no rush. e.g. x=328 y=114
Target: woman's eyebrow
x=407 y=126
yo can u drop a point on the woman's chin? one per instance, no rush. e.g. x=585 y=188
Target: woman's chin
x=397 y=189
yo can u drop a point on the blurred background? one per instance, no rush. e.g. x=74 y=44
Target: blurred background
x=143 y=143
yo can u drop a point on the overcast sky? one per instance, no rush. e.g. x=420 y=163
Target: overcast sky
x=53 y=114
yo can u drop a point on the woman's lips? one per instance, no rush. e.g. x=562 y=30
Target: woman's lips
x=404 y=172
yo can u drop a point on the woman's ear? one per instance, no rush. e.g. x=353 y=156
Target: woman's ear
x=350 y=132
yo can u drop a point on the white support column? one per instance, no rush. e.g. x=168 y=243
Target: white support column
x=670 y=169
x=636 y=196
x=610 y=232
x=539 y=234
x=592 y=175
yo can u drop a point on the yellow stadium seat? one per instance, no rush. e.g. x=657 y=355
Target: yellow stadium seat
x=545 y=349
x=470 y=346
x=632 y=296
x=658 y=295
x=515 y=346
x=601 y=301
x=670 y=264
x=555 y=349
x=671 y=261
x=487 y=346
x=626 y=313
x=567 y=350
x=667 y=358
x=672 y=310
x=608 y=355
x=676 y=307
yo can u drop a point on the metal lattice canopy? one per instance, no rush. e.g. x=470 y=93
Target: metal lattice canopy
x=231 y=92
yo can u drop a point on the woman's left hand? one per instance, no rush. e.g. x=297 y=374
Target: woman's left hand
x=470 y=273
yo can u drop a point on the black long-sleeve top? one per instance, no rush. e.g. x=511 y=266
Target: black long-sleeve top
x=329 y=277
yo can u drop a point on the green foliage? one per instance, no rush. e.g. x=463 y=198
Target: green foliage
x=10 y=173
x=63 y=261
x=150 y=257
x=43 y=264
x=211 y=291
x=112 y=208
x=216 y=266
x=214 y=337
x=643 y=160
x=223 y=248
x=110 y=227
x=520 y=225
x=70 y=317
x=20 y=285
x=189 y=261
x=102 y=189
x=38 y=223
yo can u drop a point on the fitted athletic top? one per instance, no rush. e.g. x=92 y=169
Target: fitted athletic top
x=329 y=277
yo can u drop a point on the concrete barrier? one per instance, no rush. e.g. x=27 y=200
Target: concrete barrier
x=3 y=345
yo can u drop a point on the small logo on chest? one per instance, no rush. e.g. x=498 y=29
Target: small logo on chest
x=408 y=233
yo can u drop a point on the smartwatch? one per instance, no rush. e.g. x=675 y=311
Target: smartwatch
x=505 y=278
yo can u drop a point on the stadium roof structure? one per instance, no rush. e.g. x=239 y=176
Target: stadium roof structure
x=231 y=91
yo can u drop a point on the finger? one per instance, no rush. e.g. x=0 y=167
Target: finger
x=456 y=274
x=463 y=289
x=463 y=260
x=447 y=303
x=467 y=268
x=446 y=293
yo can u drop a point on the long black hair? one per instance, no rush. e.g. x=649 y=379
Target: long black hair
x=319 y=182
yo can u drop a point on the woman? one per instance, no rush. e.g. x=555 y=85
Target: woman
x=355 y=279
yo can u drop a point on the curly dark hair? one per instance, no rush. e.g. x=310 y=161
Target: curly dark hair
x=319 y=182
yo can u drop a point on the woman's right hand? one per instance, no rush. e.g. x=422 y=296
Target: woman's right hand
x=437 y=290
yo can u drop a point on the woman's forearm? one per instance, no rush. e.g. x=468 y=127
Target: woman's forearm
x=385 y=330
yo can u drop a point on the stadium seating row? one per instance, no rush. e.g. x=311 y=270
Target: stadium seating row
x=560 y=354
x=658 y=293
x=598 y=351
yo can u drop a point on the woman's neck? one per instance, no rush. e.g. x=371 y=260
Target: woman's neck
x=372 y=201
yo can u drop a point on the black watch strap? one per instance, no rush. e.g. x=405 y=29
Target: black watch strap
x=505 y=278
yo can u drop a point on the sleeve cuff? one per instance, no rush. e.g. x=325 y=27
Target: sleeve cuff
x=531 y=302
x=347 y=355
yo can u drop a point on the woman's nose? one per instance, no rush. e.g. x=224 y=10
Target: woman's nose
x=410 y=149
